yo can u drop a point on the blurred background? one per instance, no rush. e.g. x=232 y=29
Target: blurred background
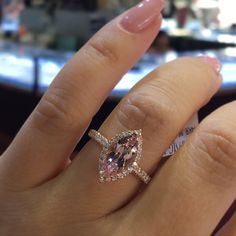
x=37 y=37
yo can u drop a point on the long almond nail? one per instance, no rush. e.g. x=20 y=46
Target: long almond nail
x=141 y=16
x=213 y=62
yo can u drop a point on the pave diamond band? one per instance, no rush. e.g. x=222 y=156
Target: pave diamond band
x=96 y=136
x=141 y=173
x=120 y=156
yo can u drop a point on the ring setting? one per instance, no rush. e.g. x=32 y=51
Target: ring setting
x=120 y=156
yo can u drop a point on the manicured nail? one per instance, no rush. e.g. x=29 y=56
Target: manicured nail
x=141 y=16
x=213 y=62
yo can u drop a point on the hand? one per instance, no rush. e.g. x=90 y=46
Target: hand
x=42 y=193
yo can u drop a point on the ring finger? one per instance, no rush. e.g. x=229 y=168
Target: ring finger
x=160 y=105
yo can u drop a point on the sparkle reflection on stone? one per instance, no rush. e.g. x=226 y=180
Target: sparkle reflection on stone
x=121 y=155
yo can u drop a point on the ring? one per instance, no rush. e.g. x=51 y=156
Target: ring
x=120 y=156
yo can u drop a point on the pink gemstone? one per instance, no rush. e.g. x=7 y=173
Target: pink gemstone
x=111 y=168
x=122 y=155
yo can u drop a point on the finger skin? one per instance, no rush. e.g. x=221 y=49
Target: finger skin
x=45 y=142
x=198 y=184
x=229 y=229
x=160 y=105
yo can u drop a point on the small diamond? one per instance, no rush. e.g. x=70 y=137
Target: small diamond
x=101 y=179
x=108 y=179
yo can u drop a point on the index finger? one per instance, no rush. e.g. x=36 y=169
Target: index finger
x=44 y=143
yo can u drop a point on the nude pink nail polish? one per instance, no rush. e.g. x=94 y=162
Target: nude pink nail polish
x=141 y=16
x=213 y=62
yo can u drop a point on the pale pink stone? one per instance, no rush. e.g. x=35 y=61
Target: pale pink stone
x=110 y=168
x=122 y=154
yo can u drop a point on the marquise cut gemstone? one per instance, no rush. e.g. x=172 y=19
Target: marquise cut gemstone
x=121 y=155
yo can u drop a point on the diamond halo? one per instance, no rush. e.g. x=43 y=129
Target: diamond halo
x=120 y=156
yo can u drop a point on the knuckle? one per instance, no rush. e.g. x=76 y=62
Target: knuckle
x=100 y=47
x=215 y=146
x=145 y=112
x=55 y=112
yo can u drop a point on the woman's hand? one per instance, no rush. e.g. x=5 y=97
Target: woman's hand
x=42 y=193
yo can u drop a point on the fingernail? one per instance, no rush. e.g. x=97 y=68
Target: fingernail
x=213 y=62
x=141 y=16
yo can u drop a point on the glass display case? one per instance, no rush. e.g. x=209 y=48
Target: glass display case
x=23 y=67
